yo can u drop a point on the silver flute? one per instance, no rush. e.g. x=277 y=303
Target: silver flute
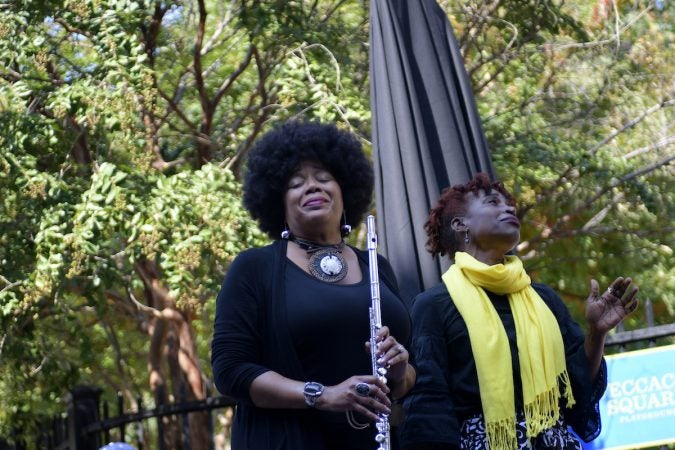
x=383 y=436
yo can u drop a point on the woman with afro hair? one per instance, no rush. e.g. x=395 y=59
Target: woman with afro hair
x=500 y=363
x=292 y=318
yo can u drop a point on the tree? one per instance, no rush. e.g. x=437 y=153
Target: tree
x=577 y=103
x=124 y=129
x=125 y=125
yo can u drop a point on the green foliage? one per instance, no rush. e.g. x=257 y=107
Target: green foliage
x=577 y=111
x=85 y=246
x=123 y=129
x=124 y=126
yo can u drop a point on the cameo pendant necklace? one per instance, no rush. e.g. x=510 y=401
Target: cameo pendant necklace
x=325 y=261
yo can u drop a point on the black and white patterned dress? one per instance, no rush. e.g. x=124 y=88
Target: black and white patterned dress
x=473 y=436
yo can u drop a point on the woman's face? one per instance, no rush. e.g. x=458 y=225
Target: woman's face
x=492 y=223
x=313 y=200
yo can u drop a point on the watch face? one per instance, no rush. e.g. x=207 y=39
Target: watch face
x=312 y=391
x=313 y=388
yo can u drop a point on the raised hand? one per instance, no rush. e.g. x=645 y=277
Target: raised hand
x=605 y=310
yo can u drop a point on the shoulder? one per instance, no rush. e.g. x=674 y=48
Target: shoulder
x=545 y=291
x=433 y=312
x=437 y=294
x=432 y=300
x=256 y=257
x=250 y=274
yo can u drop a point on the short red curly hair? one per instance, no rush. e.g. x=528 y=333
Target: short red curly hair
x=442 y=239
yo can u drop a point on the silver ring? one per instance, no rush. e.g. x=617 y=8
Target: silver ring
x=400 y=348
x=363 y=389
x=613 y=292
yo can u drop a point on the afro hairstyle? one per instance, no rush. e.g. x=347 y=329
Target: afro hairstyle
x=442 y=238
x=277 y=154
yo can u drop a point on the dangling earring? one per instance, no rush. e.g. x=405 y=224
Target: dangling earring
x=466 y=236
x=286 y=233
x=345 y=228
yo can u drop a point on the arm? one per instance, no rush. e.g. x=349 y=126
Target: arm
x=585 y=363
x=430 y=420
x=238 y=347
x=272 y=390
x=603 y=313
x=401 y=388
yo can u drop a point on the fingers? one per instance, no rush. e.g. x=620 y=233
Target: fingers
x=595 y=288
x=376 y=389
x=388 y=350
x=615 y=291
x=382 y=334
x=623 y=292
x=364 y=394
x=619 y=287
x=371 y=409
x=371 y=398
x=632 y=305
x=631 y=294
x=391 y=353
x=630 y=301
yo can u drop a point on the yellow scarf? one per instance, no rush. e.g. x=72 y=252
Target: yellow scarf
x=540 y=347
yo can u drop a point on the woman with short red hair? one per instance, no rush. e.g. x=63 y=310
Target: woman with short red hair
x=499 y=357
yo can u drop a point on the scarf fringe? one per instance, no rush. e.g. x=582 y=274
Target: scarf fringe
x=564 y=381
x=501 y=435
x=544 y=411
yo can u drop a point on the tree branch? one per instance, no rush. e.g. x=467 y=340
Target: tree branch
x=9 y=284
x=662 y=143
x=554 y=229
x=569 y=174
x=234 y=75
x=630 y=124
x=197 y=58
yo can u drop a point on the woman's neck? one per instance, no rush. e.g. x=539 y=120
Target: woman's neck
x=489 y=257
x=320 y=238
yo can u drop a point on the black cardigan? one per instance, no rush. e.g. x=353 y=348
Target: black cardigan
x=253 y=322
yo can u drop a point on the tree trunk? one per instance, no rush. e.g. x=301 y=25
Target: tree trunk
x=172 y=362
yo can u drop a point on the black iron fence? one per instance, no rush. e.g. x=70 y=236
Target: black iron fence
x=650 y=334
x=87 y=425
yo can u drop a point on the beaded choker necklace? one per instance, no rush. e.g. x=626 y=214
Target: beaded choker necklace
x=325 y=261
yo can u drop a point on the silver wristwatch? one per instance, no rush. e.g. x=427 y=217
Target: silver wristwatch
x=312 y=391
